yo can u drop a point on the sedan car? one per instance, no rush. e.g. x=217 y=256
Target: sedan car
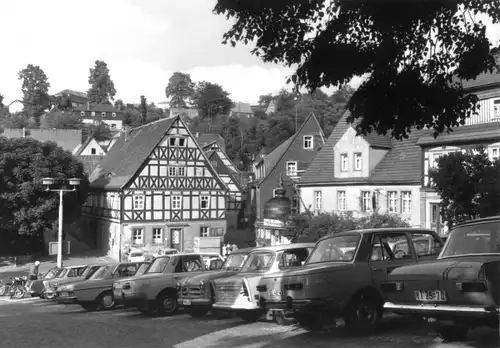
x=458 y=291
x=340 y=283
x=96 y=292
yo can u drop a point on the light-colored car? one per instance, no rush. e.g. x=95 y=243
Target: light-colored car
x=336 y=287
x=96 y=292
x=196 y=294
x=137 y=256
x=155 y=292
x=70 y=274
x=166 y=251
x=237 y=293
x=458 y=291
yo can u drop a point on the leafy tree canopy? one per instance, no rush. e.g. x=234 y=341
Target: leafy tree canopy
x=102 y=89
x=468 y=184
x=410 y=50
x=211 y=99
x=26 y=206
x=35 y=88
x=143 y=108
x=180 y=90
x=1 y=101
x=119 y=105
x=60 y=120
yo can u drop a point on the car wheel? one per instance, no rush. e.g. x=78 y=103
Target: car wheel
x=284 y=321
x=251 y=316
x=364 y=313
x=3 y=290
x=167 y=304
x=454 y=333
x=105 y=301
x=197 y=312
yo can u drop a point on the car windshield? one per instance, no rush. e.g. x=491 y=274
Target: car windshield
x=101 y=273
x=234 y=261
x=53 y=273
x=261 y=261
x=90 y=271
x=341 y=248
x=481 y=238
x=63 y=273
x=142 y=269
x=158 y=265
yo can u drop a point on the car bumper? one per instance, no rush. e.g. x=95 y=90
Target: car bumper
x=194 y=302
x=241 y=306
x=441 y=310
x=66 y=300
x=293 y=305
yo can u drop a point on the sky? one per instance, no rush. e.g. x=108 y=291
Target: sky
x=143 y=43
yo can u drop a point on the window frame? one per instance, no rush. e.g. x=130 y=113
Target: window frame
x=495 y=110
x=176 y=199
x=93 y=151
x=156 y=229
x=134 y=236
x=292 y=173
x=181 y=169
x=318 y=200
x=392 y=200
x=202 y=200
x=135 y=199
x=172 y=169
x=204 y=231
x=490 y=152
x=113 y=114
x=82 y=113
x=409 y=200
x=366 y=196
x=358 y=155
x=310 y=139
x=103 y=114
x=344 y=156
x=343 y=199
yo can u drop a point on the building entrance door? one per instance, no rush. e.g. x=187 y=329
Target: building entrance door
x=176 y=236
x=437 y=223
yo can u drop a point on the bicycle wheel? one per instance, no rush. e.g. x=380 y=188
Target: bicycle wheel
x=19 y=292
x=3 y=290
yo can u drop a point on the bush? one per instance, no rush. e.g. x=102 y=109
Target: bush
x=311 y=228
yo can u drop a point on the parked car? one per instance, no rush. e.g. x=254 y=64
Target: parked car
x=96 y=292
x=36 y=287
x=340 y=283
x=196 y=294
x=155 y=290
x=237 y=293
x=166 y=251
x=67 y=275
x=137 y=256
x=458 y=291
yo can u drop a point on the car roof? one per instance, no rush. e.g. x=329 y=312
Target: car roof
x=373 y=230
x=197 y=253
x=76 y=266
x=283 y=247
x=478 y=221
x=132 y=263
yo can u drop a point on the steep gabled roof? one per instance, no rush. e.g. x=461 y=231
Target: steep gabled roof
x=68 y=139
x=272 y=160
x=130 y=151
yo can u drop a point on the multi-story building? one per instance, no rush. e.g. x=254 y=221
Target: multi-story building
x=97 y=113
x=155 y=188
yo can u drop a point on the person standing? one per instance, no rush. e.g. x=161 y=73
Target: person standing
x=33 y=275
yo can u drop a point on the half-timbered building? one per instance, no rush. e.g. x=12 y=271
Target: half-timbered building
x=155 y=188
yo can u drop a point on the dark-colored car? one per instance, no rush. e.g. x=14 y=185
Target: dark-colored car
x=340 y=282
x=458 y=291
x=96 y=292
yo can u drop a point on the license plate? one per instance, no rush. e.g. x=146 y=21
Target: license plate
x=186 y=302
x=275 y=292
x=430 y=296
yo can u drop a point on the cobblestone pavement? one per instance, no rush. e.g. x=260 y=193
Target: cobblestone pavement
x=40 y=323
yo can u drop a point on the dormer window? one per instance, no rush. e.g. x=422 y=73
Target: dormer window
x=92 y=114
x=113 y=114
x=357 y=161
x=308 y=142
x=82 y=113
x=103 y=114
x=496 y=108
x=344 y=162
x=291 y=168
x=175 y=141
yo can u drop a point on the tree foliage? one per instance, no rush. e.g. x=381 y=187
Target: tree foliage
x=211 y=99
x=35 y=88
x=309 y=228
x=102 y=89
x=1 y=101
x=143 y=109
x=60 y=120
x=412 y=51
x=180 y=90
x=25 y=205
x=468 y=184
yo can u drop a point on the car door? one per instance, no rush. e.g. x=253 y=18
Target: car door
x=382 y=259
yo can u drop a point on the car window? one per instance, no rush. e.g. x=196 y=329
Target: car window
x=125 y=270
x=91 y=271
x=261 y=261
x=76 y=272
x=481 y=238
x=101 y=273
x=426 y=245
x=63 y=273
x=390 y=246
x=53 y=273
x=158 y=265
x=293 y=257
x=335 y=249
x=192 y=264
x=142 y=269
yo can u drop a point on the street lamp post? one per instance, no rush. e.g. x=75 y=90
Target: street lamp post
x=49 y=183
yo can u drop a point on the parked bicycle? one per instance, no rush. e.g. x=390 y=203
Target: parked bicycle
x=18 y=287
x=4 y=287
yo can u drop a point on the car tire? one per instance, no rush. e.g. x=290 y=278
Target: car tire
x=251 y=316
x=197 y=312
x=284 y=321
x=167 y=304
x=105 y=302
x=364 y=313
x=454 y=333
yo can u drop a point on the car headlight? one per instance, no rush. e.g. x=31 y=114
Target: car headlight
x=202 y=285
x=69 y=287
x=178 y=287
